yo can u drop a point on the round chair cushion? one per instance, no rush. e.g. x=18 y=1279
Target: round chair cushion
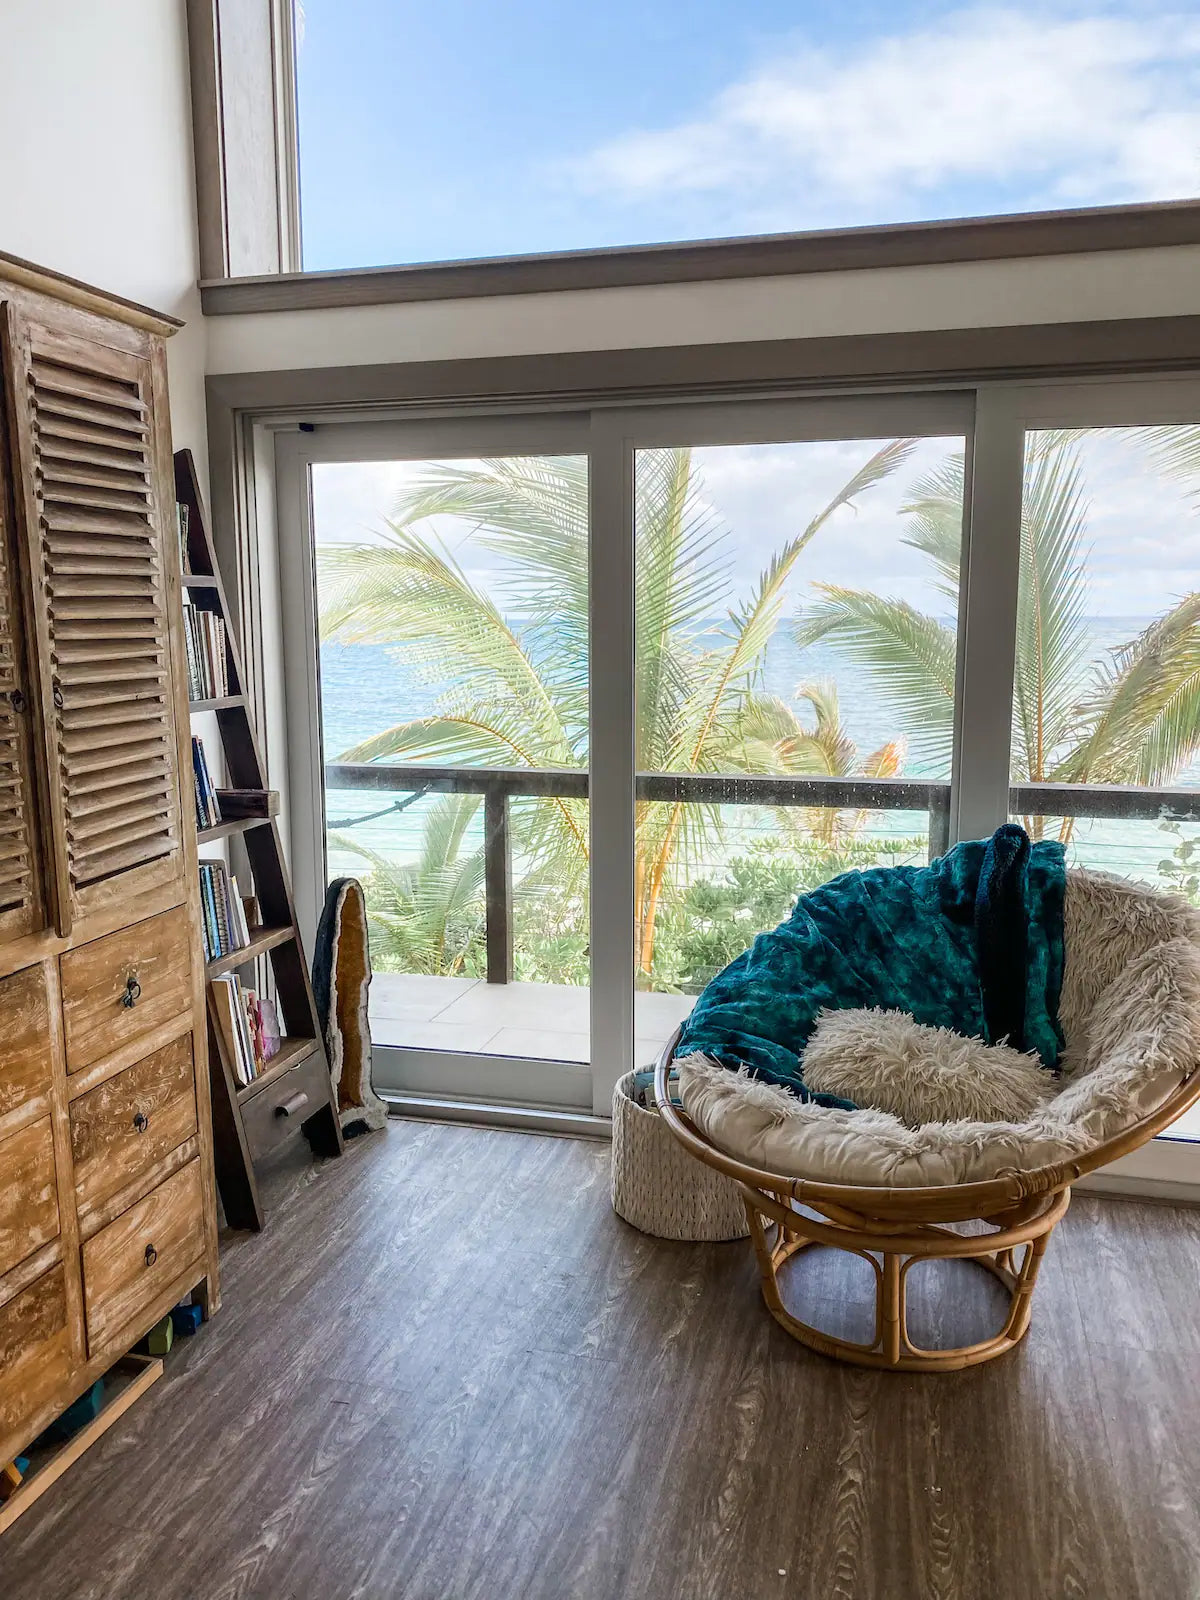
x=887 y=1061
x=1130 y=1010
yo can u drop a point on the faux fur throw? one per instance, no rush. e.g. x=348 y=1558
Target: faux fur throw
x=887 y=1062
x=341 y=982
x=944 y=943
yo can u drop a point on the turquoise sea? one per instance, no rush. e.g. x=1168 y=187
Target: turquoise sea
x=367 y=688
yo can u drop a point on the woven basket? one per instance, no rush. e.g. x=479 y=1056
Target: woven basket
x=662 y=1190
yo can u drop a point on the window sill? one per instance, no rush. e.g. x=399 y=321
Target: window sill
x=1099 y=228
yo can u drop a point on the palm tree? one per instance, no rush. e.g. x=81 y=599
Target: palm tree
x=1134 y=719
x=428 y=915
x=833 y=754
x=520 y=694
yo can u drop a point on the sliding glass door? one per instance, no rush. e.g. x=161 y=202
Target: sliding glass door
x=447 y=674
x=1105 y=748
x=586 y=699
x=796 y=660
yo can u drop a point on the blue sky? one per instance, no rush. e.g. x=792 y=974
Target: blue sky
x=492 y=127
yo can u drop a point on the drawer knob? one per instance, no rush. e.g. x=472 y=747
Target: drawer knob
x=293 y=1103
x=57 y=697
x=141 y=1121
x=151 y=1255
x=133 y=992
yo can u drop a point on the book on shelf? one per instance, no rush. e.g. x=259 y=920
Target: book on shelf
x=207 y=658
x=268 y=1018
x=181 y=522
x=248 y=1026
x=208 y=805
x=224 y=917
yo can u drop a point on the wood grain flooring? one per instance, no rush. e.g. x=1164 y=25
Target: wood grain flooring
x=447 y=1372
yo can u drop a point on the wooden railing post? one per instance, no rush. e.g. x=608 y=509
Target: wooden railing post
x=497 y=886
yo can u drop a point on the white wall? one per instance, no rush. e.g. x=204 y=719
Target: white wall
x=96 y=178
x=1120 y=283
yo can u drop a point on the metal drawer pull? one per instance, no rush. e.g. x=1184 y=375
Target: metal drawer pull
x=141 y=1121
x=151 y=1255
x=133 y=992
x=293 y=1103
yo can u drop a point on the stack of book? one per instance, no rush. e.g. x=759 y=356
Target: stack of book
x=208 y=807
x=204 y=639
x=249 y=1026
x=224 y=916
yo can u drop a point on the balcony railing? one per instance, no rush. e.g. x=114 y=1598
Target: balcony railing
x=498 y=785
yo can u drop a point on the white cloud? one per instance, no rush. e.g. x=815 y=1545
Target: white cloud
x=1071 y=110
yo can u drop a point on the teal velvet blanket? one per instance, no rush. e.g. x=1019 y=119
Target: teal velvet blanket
x=972 y=942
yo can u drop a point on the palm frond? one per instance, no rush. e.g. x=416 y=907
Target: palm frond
x=1143 y=709
x=732 y=668
x=911 y=655
x=934 y=504
x=410 y=592
x=1175 y=450
x=1052 y=646
x=533 y=512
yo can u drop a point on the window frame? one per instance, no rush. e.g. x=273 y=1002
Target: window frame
x=992 y=417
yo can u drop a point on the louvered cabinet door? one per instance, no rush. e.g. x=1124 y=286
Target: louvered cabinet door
x=20 y=896
x=83 y=434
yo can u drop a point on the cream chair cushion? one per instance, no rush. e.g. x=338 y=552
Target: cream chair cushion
x=1130 y=1010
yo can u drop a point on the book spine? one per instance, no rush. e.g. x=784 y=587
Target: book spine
x=220 y=656
x=223 y=1001
x=243 y=1029
x=209 y=808
x=214 y=927
x=210 y=791
x=238 y=916
x=207 y=919
x=206 y=672
x=198 y=782
x=181 y=520
x=189 y=643
x=221 y=897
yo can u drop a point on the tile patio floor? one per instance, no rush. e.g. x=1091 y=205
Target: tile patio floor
x=544 y=1020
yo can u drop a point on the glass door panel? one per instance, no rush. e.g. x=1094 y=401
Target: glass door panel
x=796 y=668
x=452 y=600
x=1106 y=705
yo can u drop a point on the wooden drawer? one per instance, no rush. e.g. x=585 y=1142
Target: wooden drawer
x=276 y=1112
x=28 y=1193
x=25 y=1060
x=124 y=985
x=129 y=1122
x=129 y=1263
x=35 y=1356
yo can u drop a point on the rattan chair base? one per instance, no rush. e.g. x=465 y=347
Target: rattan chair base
x=779 y=1231
x=893 y=1228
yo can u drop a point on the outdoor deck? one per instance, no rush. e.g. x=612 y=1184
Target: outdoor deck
x=544 y=1020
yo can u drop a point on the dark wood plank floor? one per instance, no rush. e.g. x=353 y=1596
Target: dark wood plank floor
x=448 y=1372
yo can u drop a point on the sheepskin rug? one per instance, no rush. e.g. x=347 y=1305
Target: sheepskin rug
x=887 y=1061
x=1130 y=1010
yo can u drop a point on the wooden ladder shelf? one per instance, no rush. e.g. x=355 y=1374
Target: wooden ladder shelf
x=250 y=1119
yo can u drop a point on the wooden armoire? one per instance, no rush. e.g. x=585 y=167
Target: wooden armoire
x=107 y=1209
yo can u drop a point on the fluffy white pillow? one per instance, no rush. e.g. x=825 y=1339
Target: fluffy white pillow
x=888 y=1061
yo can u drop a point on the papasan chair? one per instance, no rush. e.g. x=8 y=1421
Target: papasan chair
x=894 y=1194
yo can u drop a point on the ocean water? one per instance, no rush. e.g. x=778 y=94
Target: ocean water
x=367 y=688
